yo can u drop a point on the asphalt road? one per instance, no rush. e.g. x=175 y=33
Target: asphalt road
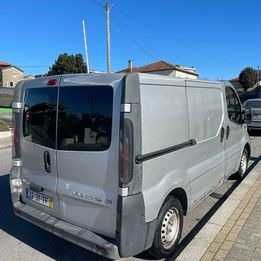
x=20 y=240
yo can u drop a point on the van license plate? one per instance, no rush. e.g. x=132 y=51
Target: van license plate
x=39 y=198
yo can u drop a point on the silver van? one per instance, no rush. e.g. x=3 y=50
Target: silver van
x=112 y=162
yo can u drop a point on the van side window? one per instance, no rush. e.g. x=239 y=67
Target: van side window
x=233 y=105
x=39 y=116
x=85 y=118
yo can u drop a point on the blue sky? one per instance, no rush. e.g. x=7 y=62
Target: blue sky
x=219 y=38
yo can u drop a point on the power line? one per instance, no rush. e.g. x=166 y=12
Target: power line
x=138 y=43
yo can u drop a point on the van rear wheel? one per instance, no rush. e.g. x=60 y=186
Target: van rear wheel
x=243 y=164
x=169 y=229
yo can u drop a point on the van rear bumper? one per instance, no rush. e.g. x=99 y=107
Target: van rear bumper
x=77 y=235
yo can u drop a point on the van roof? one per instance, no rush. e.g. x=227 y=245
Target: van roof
x=77 y=79
x=108 y=78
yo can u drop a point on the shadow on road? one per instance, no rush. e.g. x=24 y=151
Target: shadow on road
x=35 y=237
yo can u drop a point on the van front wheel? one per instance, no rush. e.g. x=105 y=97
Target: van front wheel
x=243 y=164
x=169 y=229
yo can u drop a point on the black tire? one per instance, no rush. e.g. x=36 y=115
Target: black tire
x=172 y=207
x=243 y=164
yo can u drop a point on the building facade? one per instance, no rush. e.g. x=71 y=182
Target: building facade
x=10 y=75
x=164 y=68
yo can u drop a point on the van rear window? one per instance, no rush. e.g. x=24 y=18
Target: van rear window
x=39 y=117
x=85 y=118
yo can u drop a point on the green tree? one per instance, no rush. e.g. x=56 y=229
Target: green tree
x=248 y=78
x=68 y=64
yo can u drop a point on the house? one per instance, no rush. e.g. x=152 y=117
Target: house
x=164 y=68
x=10 y=75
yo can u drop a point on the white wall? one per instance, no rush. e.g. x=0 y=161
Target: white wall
x=183 y=75
x=11 y=76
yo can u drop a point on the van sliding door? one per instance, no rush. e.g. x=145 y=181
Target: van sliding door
x=206 y=116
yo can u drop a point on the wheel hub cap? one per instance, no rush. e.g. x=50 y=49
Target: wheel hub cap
x=170 y=228
x=244 y=163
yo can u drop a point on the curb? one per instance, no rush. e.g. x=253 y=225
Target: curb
x=199 y=245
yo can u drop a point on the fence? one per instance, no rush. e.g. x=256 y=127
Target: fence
x=6 y=98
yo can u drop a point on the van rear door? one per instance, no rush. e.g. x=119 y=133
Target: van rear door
x=87 y=155
x=38 y=142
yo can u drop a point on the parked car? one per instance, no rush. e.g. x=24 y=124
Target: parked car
x=113 y=162
x=253 y=114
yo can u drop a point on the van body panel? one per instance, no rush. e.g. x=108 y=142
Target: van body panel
x=34 y=175
x=236 y=137
x=163 y=105
x=206 y=118
x=88 y=181
x=233 y=148
x=160 y=174
x=135 y=235
x=91 y=79
x=36 y=132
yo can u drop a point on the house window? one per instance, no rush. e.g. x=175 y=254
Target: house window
x=11 y=84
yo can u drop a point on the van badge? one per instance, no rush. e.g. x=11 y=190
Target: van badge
x=93 y=199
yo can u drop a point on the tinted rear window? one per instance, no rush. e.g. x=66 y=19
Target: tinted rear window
x=39 y=118
x=85 y=118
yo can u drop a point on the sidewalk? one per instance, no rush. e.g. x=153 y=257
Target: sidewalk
x=5 y=139
x=234 y=231
x=240 y=237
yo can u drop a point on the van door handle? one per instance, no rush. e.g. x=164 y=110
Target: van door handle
x=228 y=132
x=222 y=134
x=47 y=161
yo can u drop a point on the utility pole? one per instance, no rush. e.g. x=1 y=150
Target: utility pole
x=85 y=47
x=108 y=35
x=130 y=67
x=258 y=75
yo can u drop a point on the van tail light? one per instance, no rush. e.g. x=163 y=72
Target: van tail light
x=126 y=152
x=16 y=136
x=52 y=82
